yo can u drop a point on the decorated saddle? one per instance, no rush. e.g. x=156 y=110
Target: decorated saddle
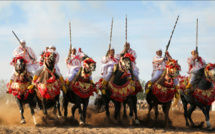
x=48 y=88
x=120 y=93
x=206 y=97
x=20 y=88
x=183 y=81
x=81 y=85
x=164 y=92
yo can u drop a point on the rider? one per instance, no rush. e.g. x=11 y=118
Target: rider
x=159 y=65
x=42 y=68
x=107 y=67
x=29 y=55
x=74 y=63
x=127 y=49
x=135 y=69
x=53 y=49
x=195 y=63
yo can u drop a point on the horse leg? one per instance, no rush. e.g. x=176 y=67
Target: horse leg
x=156 y=112
x=31 y=105
x=207 y=121
x=190 y=111
x=58 y=106
x=135 y=110
x=65 y=106
x=78 y=103
x=73 y=110
x=166 y=108
x=21 y=110
x=117 y=110
x=124 y=111
x=149 y=110
x=185 y=110
x=204 y=110
x=44 y=106
x=131 y=107
x=85 y=104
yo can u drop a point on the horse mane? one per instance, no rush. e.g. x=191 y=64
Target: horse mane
x=84 y=57
x=198 y=76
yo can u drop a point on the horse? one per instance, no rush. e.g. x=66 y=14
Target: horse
x=163 y=90
x=80 y=89
x=18 y=86
x=119 y=89
x=48 y=84
x=201 y=95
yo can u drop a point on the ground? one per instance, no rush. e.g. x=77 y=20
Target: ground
x=96 y=123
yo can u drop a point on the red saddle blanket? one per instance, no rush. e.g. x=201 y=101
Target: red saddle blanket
x=163 y=94
x=120 y=93
x=49 y=90
x=18 y=89
x=83 y=89
x=206 y=97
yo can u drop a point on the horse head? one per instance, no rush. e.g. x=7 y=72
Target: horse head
x=49 y=59
x=89 y=64
x=19 y=64
x=125 y=62
x=210 y=72
x=173 y=68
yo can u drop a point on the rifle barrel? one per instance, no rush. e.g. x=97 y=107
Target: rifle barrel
x=172 y=33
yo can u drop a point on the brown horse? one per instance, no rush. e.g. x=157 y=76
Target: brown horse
x=163 y=90
x=48 y=84
x=21 y=79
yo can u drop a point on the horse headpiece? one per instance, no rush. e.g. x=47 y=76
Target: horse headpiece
x=173 y=68
x=125 y=61
x=210 y=72
x=89 y=64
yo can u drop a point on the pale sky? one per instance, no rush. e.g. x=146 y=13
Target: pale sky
x=150 y=25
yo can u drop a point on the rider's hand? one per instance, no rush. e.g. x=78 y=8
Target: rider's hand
x=79 y=50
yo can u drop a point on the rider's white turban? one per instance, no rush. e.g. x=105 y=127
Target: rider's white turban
x=52 y=47
x=159 y=50
x=73 y=48
x=22 y=41
x=112 y=48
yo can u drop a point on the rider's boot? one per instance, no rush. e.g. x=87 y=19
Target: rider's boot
x=91 y=81
x=9 y=86
x=63 y=84
x=188 y=87
x=104 y=83
x=177 y=93
x=33 y=82
x=149 y=87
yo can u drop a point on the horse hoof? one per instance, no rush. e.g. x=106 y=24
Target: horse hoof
x=22 y=121
x=209 y=128
x=81 y=123
x=125 y=116
x=58 y=116
x=137 y=122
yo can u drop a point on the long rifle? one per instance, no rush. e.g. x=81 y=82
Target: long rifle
x=197 y=39
x=70 y=47
x=126 y=29
x=171 y=35
x=22 y=45
x=110 y=37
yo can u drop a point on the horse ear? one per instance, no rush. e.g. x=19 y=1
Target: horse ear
x=176 y=61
